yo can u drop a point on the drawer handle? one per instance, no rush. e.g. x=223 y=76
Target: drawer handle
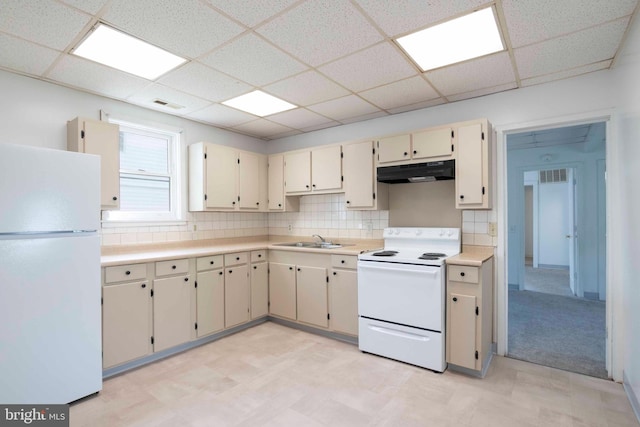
x=186 y=279
x=259 y=255
x=455 y=299
x=127 y=272
x=462 y=273
x=237 y=258
x=211 y=262
x=255 y=268
x=342 y=261
x=173 y=267
x=144 y=285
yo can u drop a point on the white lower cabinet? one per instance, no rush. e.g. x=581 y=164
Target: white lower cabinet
x=311 y=292
x=282 y=290
x=343 y=291
x=209 y=296
x=171 y=312
x=126 y=322
x=259 y=278
x=236 y=290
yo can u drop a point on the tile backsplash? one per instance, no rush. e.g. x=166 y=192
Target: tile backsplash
x=476 y=228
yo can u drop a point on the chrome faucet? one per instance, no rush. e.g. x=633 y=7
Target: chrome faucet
x=319 y=237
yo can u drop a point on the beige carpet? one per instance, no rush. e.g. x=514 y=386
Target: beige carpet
x=553 y=281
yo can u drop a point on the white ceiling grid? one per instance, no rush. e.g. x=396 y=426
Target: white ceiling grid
x=335 y=59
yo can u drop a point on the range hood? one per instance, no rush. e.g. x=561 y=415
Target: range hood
x=417 y=172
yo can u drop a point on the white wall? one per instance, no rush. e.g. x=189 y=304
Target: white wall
x=553 y=211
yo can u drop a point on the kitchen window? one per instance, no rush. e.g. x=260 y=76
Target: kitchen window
x=149 y=175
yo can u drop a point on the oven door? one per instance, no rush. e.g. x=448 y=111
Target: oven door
x=406 y=294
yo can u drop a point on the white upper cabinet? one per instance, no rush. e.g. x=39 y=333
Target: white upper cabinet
x=429 y=144
x=326 y=168
x=103 y=139
x=297 y=172
x=223 y=178
x=361 y=191
x=394 y=148
x=473 y=172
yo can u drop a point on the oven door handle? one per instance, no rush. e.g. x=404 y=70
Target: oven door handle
x=400 y=334
x=431 y=270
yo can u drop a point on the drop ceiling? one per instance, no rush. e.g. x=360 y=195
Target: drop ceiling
x=335 y=59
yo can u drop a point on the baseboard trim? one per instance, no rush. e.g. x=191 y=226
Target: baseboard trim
x=120 y=369
x=472 y=372
x=554 y=266
x=329 y=334
x=514 y=287
x=594 y=296
x=631 y=395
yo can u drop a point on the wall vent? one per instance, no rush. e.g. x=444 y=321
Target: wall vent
x=553 y=175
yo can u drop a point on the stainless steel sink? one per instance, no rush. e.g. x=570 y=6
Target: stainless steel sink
x=324 y=245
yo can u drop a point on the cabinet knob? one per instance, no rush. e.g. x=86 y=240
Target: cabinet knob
x=220 y=273
x=127 y=272
x=290 y=268
x=259 y=255
x=186 y=279
x=230 y=271
x=279 y=205
x=237 y=258
x=342 y=261
x=334 y=273
x=233 y=203
x=257 y=203
x=307 y=185
x=313 y=185
x=211 y=262
x=255 y=268
x=115 y=198
x=461 y=196
x=173 y=267
x=144 y=285
x=462 y=273
x=348 y=202
x=298 y=269
x=405 y=153
x=455 y=299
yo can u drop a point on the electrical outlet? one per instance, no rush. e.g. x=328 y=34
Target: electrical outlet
x=290 y=227
x=368 y=226
x=195 y=227
x=492 y=229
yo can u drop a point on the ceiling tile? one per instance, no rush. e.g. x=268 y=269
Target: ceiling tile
x=364 y=117
x=186 y=27
x=306 y=89
x=366 y=69
x=46 y=22
x=344 y=108
x=566 y=73
x=91 y=76
x=254 y=61
x=574 y=50
x=262 y=128
x=299 y=118
x=400 y=17
x=146 y=96
x=19 y=55
x=251 y=12
x=202 y=81
x=286 y=134
x=318 y=31
x=482 y=92
x=409 y=91
x=90 y=6
x=533 y=21
x=418 y=106
x=221 y=115
x=488 y=71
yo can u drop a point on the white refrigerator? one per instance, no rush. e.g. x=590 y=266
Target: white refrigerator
x=50 y=321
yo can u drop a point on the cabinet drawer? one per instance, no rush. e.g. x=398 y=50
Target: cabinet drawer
x=344 y=261
x=235 y=259
x=209 y=262
x=123 y=273
x=176 y=266
x=257 y=256
x=462 y=273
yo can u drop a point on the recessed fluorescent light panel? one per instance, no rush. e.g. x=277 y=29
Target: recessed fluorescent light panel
x=126 y=53
x=467 y=37
x=259 y=103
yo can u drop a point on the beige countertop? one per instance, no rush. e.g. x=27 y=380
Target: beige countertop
x=118 y=255
x=472 y=256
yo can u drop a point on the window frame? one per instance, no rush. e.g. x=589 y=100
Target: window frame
x=175 y=215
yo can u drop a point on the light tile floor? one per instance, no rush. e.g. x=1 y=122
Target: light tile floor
x=271 y=375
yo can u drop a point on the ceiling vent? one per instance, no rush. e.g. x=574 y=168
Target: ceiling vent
x=167 y=104
x=554 y=175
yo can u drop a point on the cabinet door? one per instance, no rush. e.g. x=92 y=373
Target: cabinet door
x=259 y=290
x=236 y=295
x=432 y=143
x=312 y=295
x=326 y=168
x=171 y=312
x=469 y=166
x=276 y=182
x=248 y=180
x=344 y=301
x=297 y=172
x=103 y=139
x=462 y=330
x=263 y=178
x=126 y=322
x=221 y=177
x=394 y=148
x=282 y=290
x=210 y=302
x=359 y=176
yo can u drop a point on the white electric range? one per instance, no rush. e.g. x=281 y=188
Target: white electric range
x=401 y=295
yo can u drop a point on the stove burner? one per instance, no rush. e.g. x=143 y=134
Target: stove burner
x=429 y=258
x=385 y=253
x=434 y=254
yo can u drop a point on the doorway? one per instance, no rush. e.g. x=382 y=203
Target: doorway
x=556 y=307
